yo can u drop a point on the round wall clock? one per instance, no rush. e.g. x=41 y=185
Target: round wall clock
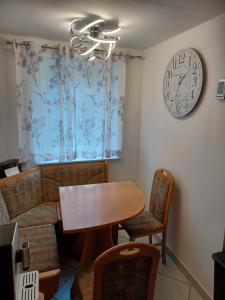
x=183 y=82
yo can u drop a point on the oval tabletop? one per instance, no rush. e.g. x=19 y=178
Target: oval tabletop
x=92 y=206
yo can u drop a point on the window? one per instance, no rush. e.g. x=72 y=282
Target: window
x=69 y=108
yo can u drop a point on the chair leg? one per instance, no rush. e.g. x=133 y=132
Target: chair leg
x=150 y=239
x=132 y=239
x=115 y=234
x=164 y=248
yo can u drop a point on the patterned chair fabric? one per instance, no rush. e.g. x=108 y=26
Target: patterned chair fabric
x=158 y=197
x=43 y=247
x=4 y=214
x=127 y=279
x=22 y=192
x=54 y=176
x=83 y=285
x=144 y=222
x=123 y=279
x=44 y=213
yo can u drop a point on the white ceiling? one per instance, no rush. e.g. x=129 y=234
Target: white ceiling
x=144 y=22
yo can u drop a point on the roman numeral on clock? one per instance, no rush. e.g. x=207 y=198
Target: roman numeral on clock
x=174 y=63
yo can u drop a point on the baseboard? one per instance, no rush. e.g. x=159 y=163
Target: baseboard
x=196 y=284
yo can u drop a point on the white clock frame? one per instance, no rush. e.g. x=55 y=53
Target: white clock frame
x=182 y=83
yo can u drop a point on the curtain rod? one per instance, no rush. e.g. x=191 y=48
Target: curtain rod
x=27 y=43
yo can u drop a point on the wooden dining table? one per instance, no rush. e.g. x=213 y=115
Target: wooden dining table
x=93 y=209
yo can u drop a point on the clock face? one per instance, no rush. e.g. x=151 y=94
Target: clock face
x=182 y=82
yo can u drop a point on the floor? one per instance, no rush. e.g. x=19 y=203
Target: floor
x=171 y=283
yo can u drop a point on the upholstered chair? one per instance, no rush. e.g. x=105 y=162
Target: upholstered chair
x=127 y=271
x=156 y=219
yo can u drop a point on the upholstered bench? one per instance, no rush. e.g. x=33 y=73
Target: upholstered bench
x=31 y=198
x=43 y=251
x=23 y=197
x=43 y=256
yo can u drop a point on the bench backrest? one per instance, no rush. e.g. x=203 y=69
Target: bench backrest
x=25 y=190
x=66 y=174
x=21 y=192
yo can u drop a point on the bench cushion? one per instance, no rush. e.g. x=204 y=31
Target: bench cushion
x=44 y=213
x=43 y=247
x=22 y=191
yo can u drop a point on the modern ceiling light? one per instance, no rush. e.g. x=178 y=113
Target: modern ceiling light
x=109 y=51
x=92 y=58
x=96 y=39
x=91 y=24
x=101 y=41
x=108 y=32
x=72 y=24
x=90 y=49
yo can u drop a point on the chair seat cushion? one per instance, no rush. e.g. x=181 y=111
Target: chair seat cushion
x=142 y=224
x=83 y=285
x=43 y=247
x=44 y=213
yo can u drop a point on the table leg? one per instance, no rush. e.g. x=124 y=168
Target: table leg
x=92 y=243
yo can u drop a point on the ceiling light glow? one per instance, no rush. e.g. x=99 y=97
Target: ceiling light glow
x=109 y=51
x=92 y=58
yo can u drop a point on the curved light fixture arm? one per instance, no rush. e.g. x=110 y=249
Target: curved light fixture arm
x=101 y=41
x=72 y=23
x=109 y=51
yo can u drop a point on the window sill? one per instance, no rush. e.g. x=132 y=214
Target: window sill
x=76 y=161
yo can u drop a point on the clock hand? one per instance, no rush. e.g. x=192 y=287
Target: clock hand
x=182 y=78
x=178 y=85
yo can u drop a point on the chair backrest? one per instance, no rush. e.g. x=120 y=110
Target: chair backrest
x=161 y=195
x=126 y=271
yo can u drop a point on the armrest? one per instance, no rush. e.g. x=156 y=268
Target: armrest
x=49 y=283
x=41 y=296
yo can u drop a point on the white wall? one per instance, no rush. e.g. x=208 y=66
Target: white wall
x=193 y=149
x=127 y=167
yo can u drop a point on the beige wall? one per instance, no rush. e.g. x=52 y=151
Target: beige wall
x=193 y=149
x=126 y=168
x=8 y=116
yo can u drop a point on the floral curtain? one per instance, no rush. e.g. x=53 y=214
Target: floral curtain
x=69 y=108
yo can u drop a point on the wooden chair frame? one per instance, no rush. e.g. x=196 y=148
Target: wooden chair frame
x=49 y=283
x=165 y=174
x=117 y=253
